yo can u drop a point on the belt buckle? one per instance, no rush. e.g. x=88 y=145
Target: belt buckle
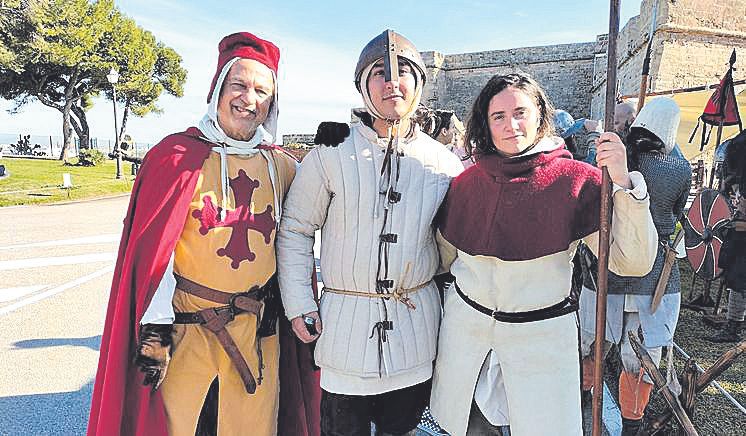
x=232 y=300
x=229 y=309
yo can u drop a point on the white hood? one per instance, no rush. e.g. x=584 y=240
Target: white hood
x=661 y=117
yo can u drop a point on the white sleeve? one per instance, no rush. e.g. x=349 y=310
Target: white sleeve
x=304 y=212
x=633 y=242
x=161 y=309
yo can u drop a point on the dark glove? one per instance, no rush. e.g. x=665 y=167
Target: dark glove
x=331 y=134
x=154 y=353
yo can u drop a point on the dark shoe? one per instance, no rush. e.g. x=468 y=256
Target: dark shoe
x=586 y=404
x=630 y=427
x=729 y=333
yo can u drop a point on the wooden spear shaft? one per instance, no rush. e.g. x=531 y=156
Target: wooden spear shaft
x=723 y=363
x=604 y=225
x=646 y=61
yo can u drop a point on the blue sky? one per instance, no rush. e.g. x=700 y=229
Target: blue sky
x=319 y=43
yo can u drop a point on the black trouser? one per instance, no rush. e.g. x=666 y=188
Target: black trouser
x=395 y=412
x=480 y=426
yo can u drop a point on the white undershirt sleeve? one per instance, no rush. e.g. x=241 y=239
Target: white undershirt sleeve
x=161 y=309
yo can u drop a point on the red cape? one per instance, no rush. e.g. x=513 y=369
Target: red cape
x=121 y=405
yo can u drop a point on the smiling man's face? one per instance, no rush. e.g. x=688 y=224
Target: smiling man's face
x=245 y=99
x=394 y=98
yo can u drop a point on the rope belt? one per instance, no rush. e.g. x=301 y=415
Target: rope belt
x=216 y=318
x=380 y=328
x=568 y=305
x=399 y=295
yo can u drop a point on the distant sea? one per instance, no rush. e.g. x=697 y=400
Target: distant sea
x=44 y=142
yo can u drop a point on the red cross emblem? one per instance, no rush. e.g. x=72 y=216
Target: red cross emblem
x=240 y=219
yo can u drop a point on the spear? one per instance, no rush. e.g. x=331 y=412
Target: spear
x=646 y=61
x=605 y=222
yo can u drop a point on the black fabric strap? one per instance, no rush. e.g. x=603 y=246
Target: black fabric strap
x=188 y=318
x=568 y=305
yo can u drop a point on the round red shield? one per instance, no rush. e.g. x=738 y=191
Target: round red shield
x=703 y=228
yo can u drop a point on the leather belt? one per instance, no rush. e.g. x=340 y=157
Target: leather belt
x=216 y=318
x=568 y=305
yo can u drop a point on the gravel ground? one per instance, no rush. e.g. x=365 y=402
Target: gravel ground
x=714 y=414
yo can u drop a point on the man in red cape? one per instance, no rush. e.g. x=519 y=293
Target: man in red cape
x=194 y=302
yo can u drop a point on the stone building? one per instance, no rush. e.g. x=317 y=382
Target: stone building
x=298 y=138
x=692 y=41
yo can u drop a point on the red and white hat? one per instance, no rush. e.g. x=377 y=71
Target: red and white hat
x=244 y=45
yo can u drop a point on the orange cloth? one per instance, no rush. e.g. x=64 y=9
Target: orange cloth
x=231 y=255
x=634 y=394
x=587 y=373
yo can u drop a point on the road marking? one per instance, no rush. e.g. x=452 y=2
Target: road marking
x=56 y=290
x=98 y=239
x=10 y=294
x=36 y=262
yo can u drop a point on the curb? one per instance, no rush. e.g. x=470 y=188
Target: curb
x=62 y=203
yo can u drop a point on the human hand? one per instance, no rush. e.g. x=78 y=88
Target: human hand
x=300 y=329
x=154 y=353
x=612 y=154
x=591 y=125
x=331 y=134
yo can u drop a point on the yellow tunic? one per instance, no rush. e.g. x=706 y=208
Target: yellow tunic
x=231 y=255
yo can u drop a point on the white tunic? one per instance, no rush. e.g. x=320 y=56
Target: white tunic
x=336 y=190
x=536 y=401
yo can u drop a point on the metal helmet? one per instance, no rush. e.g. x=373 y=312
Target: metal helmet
x=566 y=125
x=661 y=117
x=388 y=45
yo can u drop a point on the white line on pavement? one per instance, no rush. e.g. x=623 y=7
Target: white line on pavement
x=10 y=294
x=46 y=294
x=36 y=262
x=98 y=239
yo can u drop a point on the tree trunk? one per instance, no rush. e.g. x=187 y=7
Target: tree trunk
x=69 y=102
x=83 y=130
x=66 y=131
x=124 y=119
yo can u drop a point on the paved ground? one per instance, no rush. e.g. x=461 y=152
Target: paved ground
x=56 y=265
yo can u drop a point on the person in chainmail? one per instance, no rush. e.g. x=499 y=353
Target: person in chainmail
x=374 y=197
x=732 y=257
x=650 y=142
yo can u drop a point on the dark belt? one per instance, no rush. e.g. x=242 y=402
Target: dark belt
x=216 y=318
x=568 y=305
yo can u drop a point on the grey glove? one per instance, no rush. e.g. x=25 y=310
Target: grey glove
x=154 y=353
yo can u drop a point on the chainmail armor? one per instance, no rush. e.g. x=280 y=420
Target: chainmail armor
x=668 y=178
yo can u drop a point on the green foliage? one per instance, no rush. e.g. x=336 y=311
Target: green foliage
x=89 y=157
x=60 y=51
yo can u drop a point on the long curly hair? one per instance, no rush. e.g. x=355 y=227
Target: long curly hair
x=478 y=139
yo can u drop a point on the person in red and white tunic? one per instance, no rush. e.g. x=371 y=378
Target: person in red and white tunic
x=508 y=351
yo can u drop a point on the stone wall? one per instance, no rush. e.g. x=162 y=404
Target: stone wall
x=564 y=70
x=692 y=41
x=298 y=138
